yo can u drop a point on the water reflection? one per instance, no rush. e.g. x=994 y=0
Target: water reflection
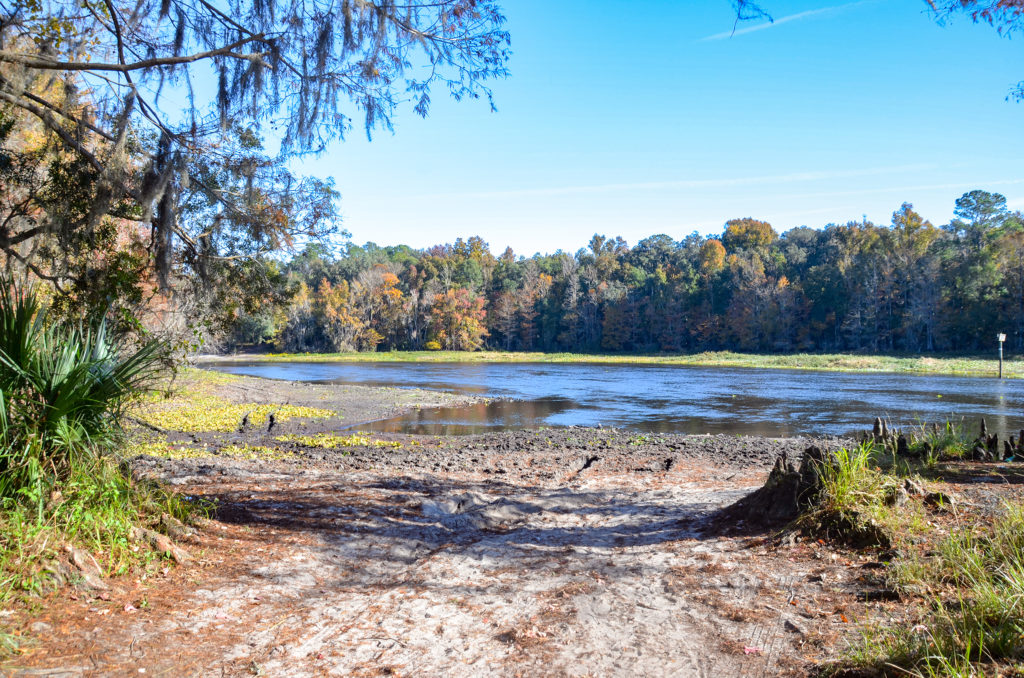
x=671 y=399
x=478 y=418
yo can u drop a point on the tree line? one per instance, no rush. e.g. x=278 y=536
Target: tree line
x=136 y=186
x=906 y=286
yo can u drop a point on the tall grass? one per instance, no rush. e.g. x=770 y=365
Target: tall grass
x=850 y=479
x=62 y=391
x=854 y=500
x=973 y=588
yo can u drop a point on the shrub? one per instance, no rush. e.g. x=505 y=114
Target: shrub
x=62 y=390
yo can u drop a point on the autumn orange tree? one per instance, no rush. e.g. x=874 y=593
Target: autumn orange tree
x=457 y=320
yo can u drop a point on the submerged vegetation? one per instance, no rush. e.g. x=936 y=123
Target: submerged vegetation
x=799 y=361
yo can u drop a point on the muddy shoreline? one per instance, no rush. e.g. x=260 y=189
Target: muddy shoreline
x=557 y=552
x=562 y=448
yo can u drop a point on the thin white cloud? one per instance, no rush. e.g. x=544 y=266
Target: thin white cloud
x=783 y=20
x=799 y=177
x=962 y=186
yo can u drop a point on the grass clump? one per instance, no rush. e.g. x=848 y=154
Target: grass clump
x=855 y=501
x=63 y=390
x=971 y=621
x=947 y=442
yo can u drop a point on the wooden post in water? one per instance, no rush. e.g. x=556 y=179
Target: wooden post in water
x=1002 y=338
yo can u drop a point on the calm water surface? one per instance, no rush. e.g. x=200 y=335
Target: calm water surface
x=675 y=399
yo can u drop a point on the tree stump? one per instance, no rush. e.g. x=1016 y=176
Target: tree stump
x=787 y=491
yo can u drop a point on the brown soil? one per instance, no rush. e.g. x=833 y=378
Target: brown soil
x=569 y=552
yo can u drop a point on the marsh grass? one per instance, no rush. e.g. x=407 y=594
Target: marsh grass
x=838 y=362
x=971 y=612
x=935 y=444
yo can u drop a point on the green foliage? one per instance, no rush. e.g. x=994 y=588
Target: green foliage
x=97 y=505
x=973 y=584
x=902 y=288
x=61 y=391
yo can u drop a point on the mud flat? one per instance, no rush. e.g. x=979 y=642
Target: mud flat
x=566 y=552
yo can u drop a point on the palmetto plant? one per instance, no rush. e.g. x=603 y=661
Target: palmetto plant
x=62 y=390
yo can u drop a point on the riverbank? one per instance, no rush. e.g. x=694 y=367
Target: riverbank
x=556 y=552
x=835 y=362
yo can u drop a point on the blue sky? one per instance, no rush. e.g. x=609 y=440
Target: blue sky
x=648 y=117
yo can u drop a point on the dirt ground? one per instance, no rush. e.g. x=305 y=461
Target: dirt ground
x=567 y=552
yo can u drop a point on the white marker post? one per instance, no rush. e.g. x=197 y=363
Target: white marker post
x=1002 y=338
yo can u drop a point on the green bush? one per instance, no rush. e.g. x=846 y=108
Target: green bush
x=62 y=389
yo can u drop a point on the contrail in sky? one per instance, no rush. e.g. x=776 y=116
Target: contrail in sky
x=783 y=20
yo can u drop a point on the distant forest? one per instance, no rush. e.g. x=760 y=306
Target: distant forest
x=904 y=286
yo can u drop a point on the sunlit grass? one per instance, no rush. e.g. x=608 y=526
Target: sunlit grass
x=857 y=498
x=804 y=361
x=972 y=588
x=98 y=507
x=194 y=413
x=332 y=442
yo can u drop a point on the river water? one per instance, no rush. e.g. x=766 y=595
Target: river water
x=670 y=399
